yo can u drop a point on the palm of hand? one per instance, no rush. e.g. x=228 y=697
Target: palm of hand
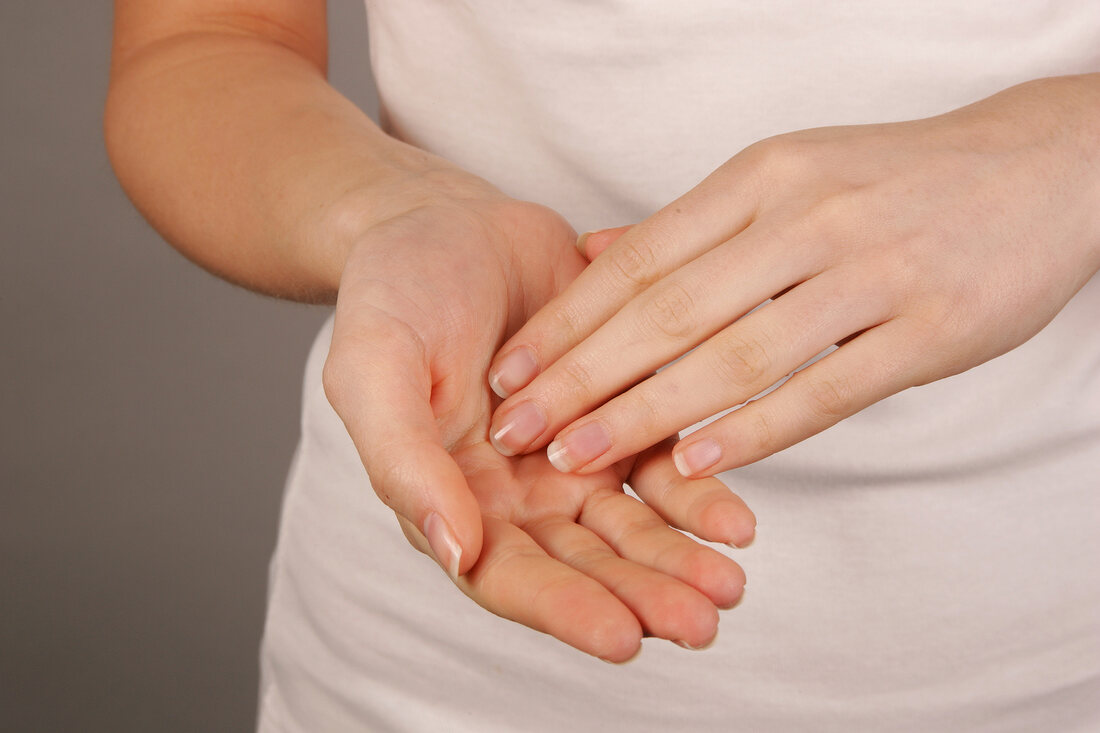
x=572 y=556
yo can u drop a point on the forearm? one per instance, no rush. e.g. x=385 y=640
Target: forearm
x=242 y=156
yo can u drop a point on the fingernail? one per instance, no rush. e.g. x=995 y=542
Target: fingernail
x=579 y=447
x=582 y=243
x=685 y=645
x=745 y=543
x=696 y=457
x=443 y=542
x=518 y=428
x=514 y=373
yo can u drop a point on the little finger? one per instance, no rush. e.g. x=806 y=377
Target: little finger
x=666 y=607
x=871 y=367
x=516 y=579
x=739 y=362
x=705 y=506
x=636 y=533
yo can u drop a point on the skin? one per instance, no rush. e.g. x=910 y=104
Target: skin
x=225 y=134
x=923 y=248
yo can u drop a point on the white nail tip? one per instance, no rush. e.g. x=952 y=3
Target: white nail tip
x=558 y=459
x=681 y=465
x=495 y=440
x=437 y=533
x=452 y=568
x=494 y=384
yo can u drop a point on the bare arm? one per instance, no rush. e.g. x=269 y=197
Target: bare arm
x=224 y=132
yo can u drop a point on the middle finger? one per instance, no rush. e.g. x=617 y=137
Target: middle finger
x=665 y=321
x=737 y=363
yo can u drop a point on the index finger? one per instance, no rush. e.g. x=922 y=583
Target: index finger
x=660 y=244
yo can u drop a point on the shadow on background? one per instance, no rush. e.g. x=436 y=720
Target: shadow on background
x=149 y=412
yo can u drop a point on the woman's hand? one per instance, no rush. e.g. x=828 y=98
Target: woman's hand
x=924 y=248
x=224 y=131
x=426 y=298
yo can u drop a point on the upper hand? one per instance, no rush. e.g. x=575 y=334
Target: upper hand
x=425 y=300
x=923 y=248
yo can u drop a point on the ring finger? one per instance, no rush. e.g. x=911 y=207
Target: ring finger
x=739 y=362
x=668 y=319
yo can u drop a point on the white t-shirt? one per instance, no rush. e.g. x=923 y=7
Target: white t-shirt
x=931 y=564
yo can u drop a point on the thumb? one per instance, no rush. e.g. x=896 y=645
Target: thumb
x=591 y=244
x=378 y=379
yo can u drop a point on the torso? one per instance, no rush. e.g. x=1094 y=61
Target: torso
x=929 y=564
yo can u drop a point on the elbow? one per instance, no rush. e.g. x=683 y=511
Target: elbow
x=114 y=138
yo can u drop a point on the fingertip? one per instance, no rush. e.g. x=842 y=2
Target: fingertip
x=592 y=244
x=444 y=544
x=578 y=448
x=455 y=555
x=697 y=458
x=701 y=630
x=728 y=521
x=705 y=645
x=621 y=643
x=588 y=617
x=743 y=537
x=736 y=601
x=514 y=371
x=516 y=428
x=495 y=385
x=582 y=245
x=735 y=591
x=444 y=510
x=470 y=536
x=717 y=577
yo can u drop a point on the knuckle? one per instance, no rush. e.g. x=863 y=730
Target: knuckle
x=578 y=377
x=649 y=411
x=566 y=324
x=938 y=317
x=390 y=478
x=760 y=432
x=741 y=360
x=829 y=397
x=586 y=557
x=634 y=263
x=782 y=158
x=836 y=218
x=663 y=491
x=670 y=313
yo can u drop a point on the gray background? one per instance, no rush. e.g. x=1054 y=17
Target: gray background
x=147 y=416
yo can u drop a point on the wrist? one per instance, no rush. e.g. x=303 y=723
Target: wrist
x=1080 y=97
x=1057 y=120
x=399 y=179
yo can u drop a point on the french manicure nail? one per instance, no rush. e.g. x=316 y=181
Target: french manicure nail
x=442 y=540
x=518 y=428
x=514 y=373
x=579 y=447
x=696 y=457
